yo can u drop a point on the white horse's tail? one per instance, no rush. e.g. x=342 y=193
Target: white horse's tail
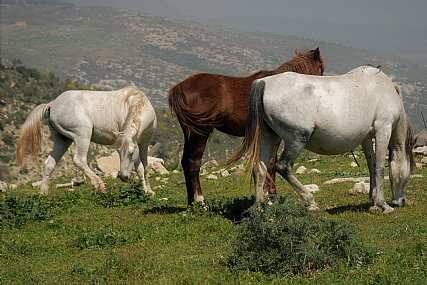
x=31 y=135
x=251 y=142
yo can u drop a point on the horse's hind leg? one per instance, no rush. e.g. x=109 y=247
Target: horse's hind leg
x=60 y=146
x=291 y=151
x=80 y=160
x=194 y=147
x=268 y=149
x=270 y=184
x=141 y=167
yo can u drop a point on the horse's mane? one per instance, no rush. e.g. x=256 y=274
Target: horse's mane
x=302 y=63
x=133 y=120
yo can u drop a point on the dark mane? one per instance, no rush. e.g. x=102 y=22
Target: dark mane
x=304 y=63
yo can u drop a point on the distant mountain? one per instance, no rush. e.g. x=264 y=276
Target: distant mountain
x=402 y=38
x=378 y=38
x=153 y=7
x=108 y=48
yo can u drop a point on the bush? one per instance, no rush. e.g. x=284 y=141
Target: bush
x=123 y=194
x=284 y=237
x=16 y=210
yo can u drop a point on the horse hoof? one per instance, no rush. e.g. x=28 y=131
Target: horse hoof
x=313 y=207
x=374 y=208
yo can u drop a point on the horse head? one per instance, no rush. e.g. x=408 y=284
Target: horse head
x=128 y=150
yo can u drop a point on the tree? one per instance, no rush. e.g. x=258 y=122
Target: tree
x=15 y=61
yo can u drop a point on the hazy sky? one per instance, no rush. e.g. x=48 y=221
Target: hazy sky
x=410 y=12
x=396 y=27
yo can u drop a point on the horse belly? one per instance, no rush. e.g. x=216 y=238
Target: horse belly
x=331 y=143
x=104 y=133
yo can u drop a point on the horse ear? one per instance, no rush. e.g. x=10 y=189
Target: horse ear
x=298 y=53
x=317 y=54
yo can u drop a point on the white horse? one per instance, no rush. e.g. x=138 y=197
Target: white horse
x=123 y=118
x=330 y=115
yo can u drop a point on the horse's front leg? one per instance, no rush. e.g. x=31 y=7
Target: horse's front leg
x=80 y=160
x=194 y=147
x=381 y=142
x=141 y=167
x=368 y=150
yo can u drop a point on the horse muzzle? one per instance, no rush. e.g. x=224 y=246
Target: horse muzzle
x=124 y=178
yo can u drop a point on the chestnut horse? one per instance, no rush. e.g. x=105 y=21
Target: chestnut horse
x=206 y=101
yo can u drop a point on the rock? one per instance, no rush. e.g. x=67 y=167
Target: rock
x=313 y=156
x=209 y=164
x=212 y=177
x=421 y=150
x=238 y=173
x=314 y=170
x=3 y=186
x=312 y=188
x=109 y=164
x=301 y=170
x=157 y=165
x=360 y=187
x=36 y=184
x=353 y=164
x=224 y=173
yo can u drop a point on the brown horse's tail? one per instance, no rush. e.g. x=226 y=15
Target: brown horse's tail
x=30 y=136
x=251 y=141
x=201 y=123
x=410 y=144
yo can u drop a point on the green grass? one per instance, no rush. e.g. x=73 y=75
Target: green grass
x=80 y=237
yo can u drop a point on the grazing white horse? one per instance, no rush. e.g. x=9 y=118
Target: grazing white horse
x=123 y=118
x=330 y=115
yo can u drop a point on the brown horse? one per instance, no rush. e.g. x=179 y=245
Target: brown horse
x=206 y=101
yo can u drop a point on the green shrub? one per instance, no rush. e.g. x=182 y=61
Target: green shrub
x=16 y=210
x=284 y=237
x=123 y=194
x=107 y=236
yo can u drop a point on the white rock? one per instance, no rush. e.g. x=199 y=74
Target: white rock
x=301 y=170
x=212 y=177
x=360 y=187
x=312 y=188
x=353 y=164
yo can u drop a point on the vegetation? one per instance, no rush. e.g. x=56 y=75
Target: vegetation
x=125 y=237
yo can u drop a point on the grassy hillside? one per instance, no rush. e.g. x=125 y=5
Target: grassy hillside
x=79 y=237
x=108 y=48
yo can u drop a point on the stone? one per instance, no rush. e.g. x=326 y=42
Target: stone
x=312 y=188
x=359 y=187
x=301 y=170
x=212 y=177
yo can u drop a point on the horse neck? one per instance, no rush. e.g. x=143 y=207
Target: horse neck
x=302 y=64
